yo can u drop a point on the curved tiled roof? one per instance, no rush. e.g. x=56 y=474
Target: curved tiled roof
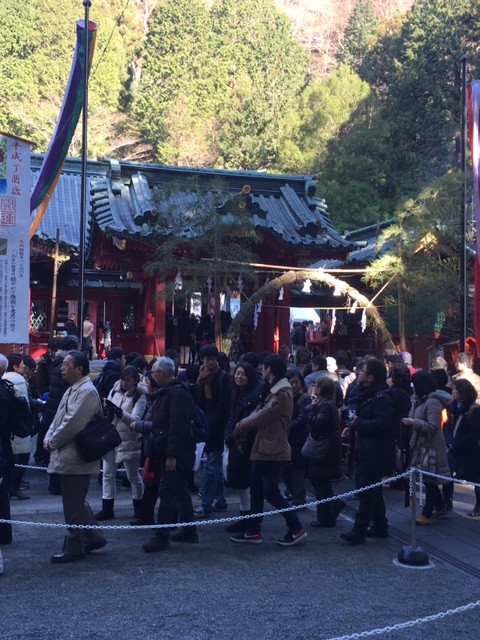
x=280 y=205
x=122 y=202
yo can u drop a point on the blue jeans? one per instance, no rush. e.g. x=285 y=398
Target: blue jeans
x=212 y=480
x=264 y=481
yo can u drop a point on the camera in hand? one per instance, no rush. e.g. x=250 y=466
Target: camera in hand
x=112 y=409
x=347 y=415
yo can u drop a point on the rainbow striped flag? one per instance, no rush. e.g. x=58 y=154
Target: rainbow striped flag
x=65 y=127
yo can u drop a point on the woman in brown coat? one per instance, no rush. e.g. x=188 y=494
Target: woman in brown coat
x=270 y=452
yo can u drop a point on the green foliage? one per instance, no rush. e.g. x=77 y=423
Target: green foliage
x=36 y=60
x=218 y=80
x=424 y=243
x=359 y=34
x=424 y=85
x=323 y=109
x=266 y=70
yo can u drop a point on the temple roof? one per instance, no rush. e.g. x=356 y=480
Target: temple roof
x=124 y=202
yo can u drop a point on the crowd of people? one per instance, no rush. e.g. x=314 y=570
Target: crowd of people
x=264 y=430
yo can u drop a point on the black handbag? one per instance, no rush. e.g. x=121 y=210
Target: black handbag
x=98 y=438
x=316 y=450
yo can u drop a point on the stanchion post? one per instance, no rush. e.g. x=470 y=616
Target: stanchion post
x=411 y=554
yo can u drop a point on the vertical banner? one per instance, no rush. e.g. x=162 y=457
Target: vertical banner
x=65 y=127
x=14 y=239
x=473 y=125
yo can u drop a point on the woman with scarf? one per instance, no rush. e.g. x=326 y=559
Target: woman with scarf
x=246 y=396
x=462 y=435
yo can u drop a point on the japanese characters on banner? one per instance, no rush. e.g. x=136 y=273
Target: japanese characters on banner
x=14 y=239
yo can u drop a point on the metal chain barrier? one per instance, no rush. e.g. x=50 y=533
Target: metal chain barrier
x=410 y=623
x=347 y=494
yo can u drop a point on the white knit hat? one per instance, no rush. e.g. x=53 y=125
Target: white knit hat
x=331 y=364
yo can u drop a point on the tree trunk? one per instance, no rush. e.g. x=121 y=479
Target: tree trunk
x=401 y=317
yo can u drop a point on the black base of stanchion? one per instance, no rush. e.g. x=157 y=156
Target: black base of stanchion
x=413 y=556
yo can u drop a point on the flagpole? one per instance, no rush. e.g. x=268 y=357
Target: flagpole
x=463 y=207
x=83 y=204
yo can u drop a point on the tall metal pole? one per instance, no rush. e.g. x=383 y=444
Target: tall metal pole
x=463 y=220
x=53 y=306
x=83 y=203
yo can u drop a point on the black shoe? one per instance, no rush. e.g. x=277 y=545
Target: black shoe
x=19 y=495
x=140 y=522
x=62 y=558
x=292 y=537
x=352 y=538
x=183 y=536
x=475 y=513
x=155 y=544
x=320 y=523
x=376 y=532
x=220 y=507
x=93 y=546
x=104 y=515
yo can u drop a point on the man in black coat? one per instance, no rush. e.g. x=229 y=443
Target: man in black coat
x=375 y=450
x=172 y=414
x=57 y=387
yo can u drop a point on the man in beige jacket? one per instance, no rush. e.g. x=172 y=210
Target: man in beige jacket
x=79 y=405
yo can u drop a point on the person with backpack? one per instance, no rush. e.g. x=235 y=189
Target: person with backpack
x=172 y=455
x=125 y=404
x=110 y=372
x=215 y=398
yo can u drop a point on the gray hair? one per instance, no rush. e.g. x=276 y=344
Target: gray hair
x=3 y=364
x=166 y=365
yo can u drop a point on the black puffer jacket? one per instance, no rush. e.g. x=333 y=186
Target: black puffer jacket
x=462 y=435
x=107 y=379
x=375 y=435
x=217 y=410
x=324 y=424
x=173 y=410
x=58 y=386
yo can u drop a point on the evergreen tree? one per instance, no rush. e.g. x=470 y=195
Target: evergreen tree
x=359 y=34
x=205 y=234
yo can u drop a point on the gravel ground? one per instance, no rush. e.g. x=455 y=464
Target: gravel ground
x=217 y=589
